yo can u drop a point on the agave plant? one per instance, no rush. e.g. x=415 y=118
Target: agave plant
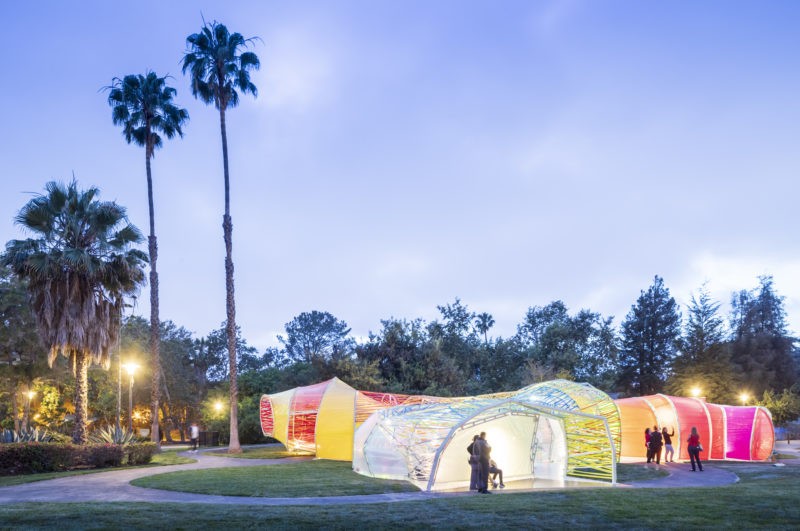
x=29 y=435
x=113 y=435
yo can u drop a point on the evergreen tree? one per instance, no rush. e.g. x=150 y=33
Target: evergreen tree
x=705 y=359
x=761 y=349
x=650 y=340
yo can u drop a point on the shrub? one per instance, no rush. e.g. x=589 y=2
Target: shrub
x=113 y=435
x=29 y=458
x=140 y=453
x=29 y=435
x=103 y=455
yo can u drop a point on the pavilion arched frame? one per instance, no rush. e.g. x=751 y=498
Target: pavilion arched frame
x=425 y=444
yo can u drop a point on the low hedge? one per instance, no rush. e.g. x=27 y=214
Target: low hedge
x=140 y=453
x=34 y=457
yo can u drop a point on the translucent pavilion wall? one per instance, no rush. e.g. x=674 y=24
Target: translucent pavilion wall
x=315 y=419
x=426 y=443
x=726 y=432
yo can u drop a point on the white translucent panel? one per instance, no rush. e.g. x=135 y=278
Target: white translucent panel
x=510 y=438
x=550 y=450
x=376 y=454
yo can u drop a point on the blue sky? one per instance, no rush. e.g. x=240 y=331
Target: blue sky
x=401 y=154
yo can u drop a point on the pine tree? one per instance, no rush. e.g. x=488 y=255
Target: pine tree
x=761 y=349
x=650 y=340
x=705 y=358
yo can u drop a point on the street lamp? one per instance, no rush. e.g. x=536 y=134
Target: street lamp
x=744 y=397
x=696 y=392
x=29 y=395
x=218 y=406
x=131 y=369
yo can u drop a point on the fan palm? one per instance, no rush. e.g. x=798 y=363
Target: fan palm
x=78 y=268
x=143 y=106
x=218 y=71
x=483 y=322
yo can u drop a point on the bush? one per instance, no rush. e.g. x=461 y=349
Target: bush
x=113 y=435
x=140 y=453
x=30 y=458
x=34 y=457
x=102 y=455
x=29 y=435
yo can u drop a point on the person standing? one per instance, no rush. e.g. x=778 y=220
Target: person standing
x=655 y=445
x=647 y=444
x=194 y=435
x=694 y=449
x=475 y=467
x=484 y=455
x=669 y=451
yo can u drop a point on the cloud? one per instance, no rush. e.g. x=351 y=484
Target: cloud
x=299 y=66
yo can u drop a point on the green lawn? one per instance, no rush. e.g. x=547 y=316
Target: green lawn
x=263 y=452
x=630 y=472
x=168 y=457
x=311 y=478
x=766 y=497
x=307 y=478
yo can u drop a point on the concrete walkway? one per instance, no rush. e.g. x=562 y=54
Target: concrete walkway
x=114 y=486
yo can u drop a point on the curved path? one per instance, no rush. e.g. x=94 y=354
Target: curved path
x=114 y=486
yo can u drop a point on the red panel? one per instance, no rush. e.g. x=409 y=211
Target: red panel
x=367 y=403
x=717 y=450
x=635 y=416
x=303 y=416
x=763 y=436
x=267 y=420
x=691 y=414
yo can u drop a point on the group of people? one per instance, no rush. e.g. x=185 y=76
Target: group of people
x=482 y=465
x=654 y=441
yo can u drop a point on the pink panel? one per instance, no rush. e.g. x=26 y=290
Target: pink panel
x=763 y=436
x=691 y=414
x=740 y=430
x=717 y=450
x=635 y=416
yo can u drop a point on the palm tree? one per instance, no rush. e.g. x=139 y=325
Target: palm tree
x=218 y=71
x=483 y=322
x=79 y=268
x=143 y=106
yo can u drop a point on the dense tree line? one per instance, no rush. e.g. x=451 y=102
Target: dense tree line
x=655 y=349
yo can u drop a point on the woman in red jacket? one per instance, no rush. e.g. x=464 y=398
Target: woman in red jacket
x=695 y=449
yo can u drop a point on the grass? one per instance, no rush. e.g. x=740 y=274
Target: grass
x=311 y=478
x=277 y=451
x=766 y=497
x=631 y=472
x=167 y=457
x=308 y=478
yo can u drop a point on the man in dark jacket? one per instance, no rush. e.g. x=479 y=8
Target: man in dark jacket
x=483 y=460
x=655 y=444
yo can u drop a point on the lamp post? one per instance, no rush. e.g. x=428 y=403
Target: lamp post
x=130 y=368
x=744 y=397
x=29 y=395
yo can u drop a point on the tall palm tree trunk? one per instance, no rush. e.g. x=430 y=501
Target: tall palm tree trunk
x=80 y=434
x=227 y=229
x=155 y=387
